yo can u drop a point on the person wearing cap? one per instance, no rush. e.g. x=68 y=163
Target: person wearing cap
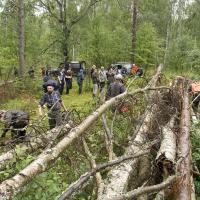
x=116 y=88
x=102 y=78
x=16 y=121
x=54 y=103
x=48 y=81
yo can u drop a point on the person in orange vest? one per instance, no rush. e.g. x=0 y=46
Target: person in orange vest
x=194 y=90
x=135 y=70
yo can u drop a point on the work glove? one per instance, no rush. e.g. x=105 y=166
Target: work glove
x=40 y=111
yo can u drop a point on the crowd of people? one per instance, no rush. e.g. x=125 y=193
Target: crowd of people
x=110 y=80
x=101 y=77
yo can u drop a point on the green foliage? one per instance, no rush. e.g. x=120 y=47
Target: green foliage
x=102 y=37
x=148 y=44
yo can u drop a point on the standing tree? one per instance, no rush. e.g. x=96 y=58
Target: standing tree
x=66 y=14
x=21 y=37
x=134 y=29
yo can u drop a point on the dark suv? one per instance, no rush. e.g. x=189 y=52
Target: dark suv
x=75 y=66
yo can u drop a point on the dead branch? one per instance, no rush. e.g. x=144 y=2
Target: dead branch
x=145 y=190
x=85 y=177
x=195 y=173
x=108 y=139
x=93 y=166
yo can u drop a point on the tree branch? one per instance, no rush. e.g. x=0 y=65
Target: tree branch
x=98 y=177
x=49 y=9
x=108 y=139
x=145 y=190
x=84 y=12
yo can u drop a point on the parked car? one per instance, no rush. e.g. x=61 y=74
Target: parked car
x=121 y=65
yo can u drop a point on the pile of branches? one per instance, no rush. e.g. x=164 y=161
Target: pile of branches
x=157 y=160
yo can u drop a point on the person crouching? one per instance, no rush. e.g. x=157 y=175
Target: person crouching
x=16 y=121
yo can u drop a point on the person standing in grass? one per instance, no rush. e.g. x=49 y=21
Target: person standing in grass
x=68 y=79
x=94 y=82
x=102 y=78
x=54 y=103
x=80 y=78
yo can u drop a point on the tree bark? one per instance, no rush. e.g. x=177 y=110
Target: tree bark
x=184 y=147
x=21 y=37
x=134 y=29
x=145 y=190
x=167 y=154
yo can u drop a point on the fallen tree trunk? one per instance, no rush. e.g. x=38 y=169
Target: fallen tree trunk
x=184 y=168
x=119 y=176
x=40 y=141
x=10 y=187
x=166 y=156
x=167 y=153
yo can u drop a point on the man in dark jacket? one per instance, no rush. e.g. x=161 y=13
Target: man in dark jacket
x=54 y=103
x=68 y=79
x=16 y=121
x=80 y=78
x=116 y=88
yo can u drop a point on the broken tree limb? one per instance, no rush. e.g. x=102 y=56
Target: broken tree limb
x=184 y=146
x=85 y=177
x=98 y=177
x=108 y=139
x=40 y=141
x=146 y=190
x=10 y=187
